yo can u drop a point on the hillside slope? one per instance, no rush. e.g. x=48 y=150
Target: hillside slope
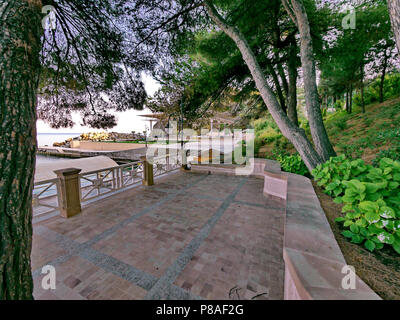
x=366 y=134
x=357 y=135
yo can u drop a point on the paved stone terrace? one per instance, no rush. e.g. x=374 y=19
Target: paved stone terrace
x=191 y=236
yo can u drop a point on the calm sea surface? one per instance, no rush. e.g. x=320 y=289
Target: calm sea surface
x=47 y=139
x=40 y=159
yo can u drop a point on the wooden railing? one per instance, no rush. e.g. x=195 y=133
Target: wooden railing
x=45 y=198
x=71 y=189
x=98 y=183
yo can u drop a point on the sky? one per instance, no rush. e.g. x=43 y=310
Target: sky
x=128 y=121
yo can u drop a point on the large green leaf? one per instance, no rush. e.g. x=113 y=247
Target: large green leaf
x=374 y=229
x=357 y=238
x=372 y=217
x=370 y=245
x=396 y=246
x=386 y=162
x=387 y=212
x=368 y=207
x=371 y=187
x=393 y=185
x=385 y=237
x=355 y=186
x=354 y=228
x=347 y=234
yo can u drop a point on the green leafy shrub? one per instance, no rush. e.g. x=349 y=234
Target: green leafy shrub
x=262 y=124
x=392 y=153
x=280 y=148
x=293 y=164
x=368 y=122
x=266 y=131
x=341 y=123
x=268 y=135
x=389 y=134
x=332 y=173
x=352 y=150
x=257 y=146
x=371 y=198
x=339 y=104
x=304 y=124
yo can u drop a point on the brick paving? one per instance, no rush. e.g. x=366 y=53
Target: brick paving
x=191 y=236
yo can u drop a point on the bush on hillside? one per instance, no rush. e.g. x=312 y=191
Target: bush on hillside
x=391 y=153
x=262 y=124
x=371 y=92
x=371 y=198
x=293 y=164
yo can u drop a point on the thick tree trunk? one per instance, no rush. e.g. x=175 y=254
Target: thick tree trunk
x=383 y=75
x=394 y=10
x=295 y=135
x=362 y=98
x=292 y=96
x=19 y=68
x=351 y=98
x=318 y=131
x=279 y=92
x=282 y=75
x=362 y=89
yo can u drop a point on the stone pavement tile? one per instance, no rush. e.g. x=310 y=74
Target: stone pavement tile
x=241 y=258
x=78 y=279
x=43 y=251
x=153 y=242
x=104 y=214
x=177 y=181
x=215 y=186
x=46 y=295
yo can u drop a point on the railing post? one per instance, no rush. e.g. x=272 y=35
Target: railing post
x=148 y=175
x=69 y=192
x=184 y=164
x=222 y=149
x=210 y=153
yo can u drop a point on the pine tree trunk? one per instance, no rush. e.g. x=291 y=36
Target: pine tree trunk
x=19 y=68
x=362 y=98
x=278 y=88
x=362 y=88
x=351 y=98
x=317 y=127
x=292 y=96
x=295 y=135
x=383 y=75
x=394 y=10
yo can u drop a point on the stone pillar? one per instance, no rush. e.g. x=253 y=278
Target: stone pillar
x=69 y=192
x=148 y=175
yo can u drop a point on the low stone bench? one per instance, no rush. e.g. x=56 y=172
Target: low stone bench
x=275 y=184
